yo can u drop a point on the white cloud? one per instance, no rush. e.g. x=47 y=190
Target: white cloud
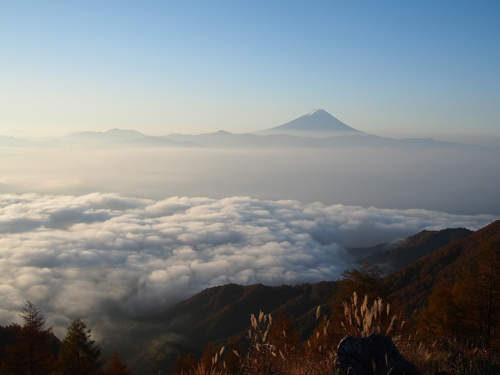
x=85 y=256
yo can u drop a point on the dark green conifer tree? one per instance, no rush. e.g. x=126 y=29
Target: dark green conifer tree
x=79 y=355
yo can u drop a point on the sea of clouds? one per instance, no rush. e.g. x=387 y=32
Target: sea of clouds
x=101 y=255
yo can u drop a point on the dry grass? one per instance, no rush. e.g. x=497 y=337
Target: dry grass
x=451 y=356
x=360 y=319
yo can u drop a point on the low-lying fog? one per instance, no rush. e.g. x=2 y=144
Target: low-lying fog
x=453 y=181
x=115 y=242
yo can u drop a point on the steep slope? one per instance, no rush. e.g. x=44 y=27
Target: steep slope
x=219 y=313
x=357 y=254
x=224 y=311
x=415 y=247
x=413 y=284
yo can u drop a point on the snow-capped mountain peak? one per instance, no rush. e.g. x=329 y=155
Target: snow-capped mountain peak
x=314 y=111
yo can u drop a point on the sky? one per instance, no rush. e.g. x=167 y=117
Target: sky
x=397 y=69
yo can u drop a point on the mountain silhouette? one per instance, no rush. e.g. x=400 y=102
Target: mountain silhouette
x=111 y=135
x=317 y=123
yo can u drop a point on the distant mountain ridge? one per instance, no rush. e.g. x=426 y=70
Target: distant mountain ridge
x=317 y=129
x=317 y=123
x=99 y=137
x=224 y=139
x=124 y=138
x=415 y=247
x=413 y=284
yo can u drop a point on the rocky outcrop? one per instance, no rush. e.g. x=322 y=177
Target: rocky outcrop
x=374 y=355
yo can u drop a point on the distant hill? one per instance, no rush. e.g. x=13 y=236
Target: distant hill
x=153 y=142
x=7 y=141
x=224 y=139
x=415 y=247
x=413 y=284
x=112 y=135
x=125 y=138
x=317 y=123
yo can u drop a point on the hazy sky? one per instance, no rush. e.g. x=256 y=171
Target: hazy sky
x=452 y=181
x=389 y=68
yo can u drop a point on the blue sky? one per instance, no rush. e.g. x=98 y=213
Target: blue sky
x=392 y=68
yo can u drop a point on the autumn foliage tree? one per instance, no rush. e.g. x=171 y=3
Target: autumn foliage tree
x=469 y=308
x=208 y=355
x=116 y=365
x=324 y=336
x=365 y=280
x=441 y=317
x=31 y=353
x=185 y=365
x=284 y=339
x=282 y=333
x=233 y=356
x=477 y=292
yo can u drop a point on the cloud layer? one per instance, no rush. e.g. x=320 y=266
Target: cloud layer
x=99 y=255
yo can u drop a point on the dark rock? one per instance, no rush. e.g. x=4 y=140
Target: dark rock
x=376 y=354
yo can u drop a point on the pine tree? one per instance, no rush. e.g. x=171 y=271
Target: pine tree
x=31 y=354
x=79 y=355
